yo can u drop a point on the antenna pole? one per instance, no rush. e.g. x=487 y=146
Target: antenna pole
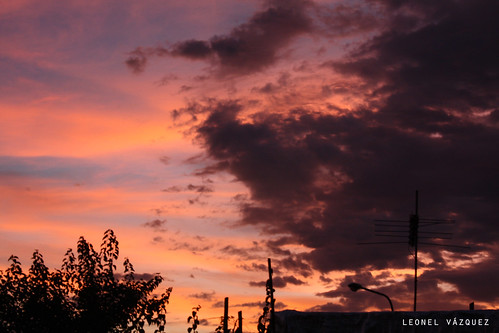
x=396 y=229
x=416 y=252
x=272 y=300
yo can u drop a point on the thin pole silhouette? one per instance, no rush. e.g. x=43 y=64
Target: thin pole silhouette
x=226 y=315
x=239 y=322
x=416 y=222
x=272 y=300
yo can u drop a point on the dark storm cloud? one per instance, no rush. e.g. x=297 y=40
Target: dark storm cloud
x=360 y=300
x=346 y=19
x=249 y=47
x=295 y=164
x=193 y=49
x=319 y=179
x=255 y=44
x=449 y=64
x=259 y=42
x=401 y=293
x=295 y=264
x=381 y=178
x=477 y=283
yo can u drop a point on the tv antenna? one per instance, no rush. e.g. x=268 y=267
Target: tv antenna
x=411 y=229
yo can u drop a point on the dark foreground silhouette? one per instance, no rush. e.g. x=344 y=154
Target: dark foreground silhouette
x=85 y=295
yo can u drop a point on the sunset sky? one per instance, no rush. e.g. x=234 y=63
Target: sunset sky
x=211 y=135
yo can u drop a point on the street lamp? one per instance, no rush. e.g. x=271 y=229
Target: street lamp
x=355 y=286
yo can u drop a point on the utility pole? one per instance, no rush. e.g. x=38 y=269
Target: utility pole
x=226 y=315
x=239 y=322
x=413 y=232
x=272 y=300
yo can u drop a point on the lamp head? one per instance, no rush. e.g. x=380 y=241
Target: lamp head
x=354 y=286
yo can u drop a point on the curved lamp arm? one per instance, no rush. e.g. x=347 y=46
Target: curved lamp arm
x=355 y=286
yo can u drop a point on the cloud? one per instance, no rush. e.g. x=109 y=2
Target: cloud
x=319 y=174
x=244 y=253
x=265 y=38
x=295 y=264
x=247 y=48
x=165 y=160
x=136 y=62
x=200 y=188
x=137 y=59
x=430 y=284
x=49 y=167
x=254 y=267
x=172 y=189
x=195 y=245
x=207 y=296
x=278 y=305
x=156 y=225
x=158 y=239
x=138 y=276
x=429 y=88
x=321 y=177
x=204 y=322
x=192 y=49
x=279 y=282
x=475 y=283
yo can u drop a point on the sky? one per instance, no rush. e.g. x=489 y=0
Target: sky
x=212 y=135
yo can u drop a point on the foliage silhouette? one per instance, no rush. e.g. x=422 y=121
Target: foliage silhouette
x=195 y=319
x=84 y=296
x=220 y=329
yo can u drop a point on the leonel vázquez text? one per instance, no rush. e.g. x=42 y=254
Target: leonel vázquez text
x=449 y=321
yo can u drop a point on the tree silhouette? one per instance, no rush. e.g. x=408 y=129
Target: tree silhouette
x=195 y=320
x=85 y=295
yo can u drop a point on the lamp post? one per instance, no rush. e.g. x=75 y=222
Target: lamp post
x=355 y=286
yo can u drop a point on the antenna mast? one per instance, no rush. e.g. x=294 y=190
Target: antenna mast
x=413 y=231
x=398 y=228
